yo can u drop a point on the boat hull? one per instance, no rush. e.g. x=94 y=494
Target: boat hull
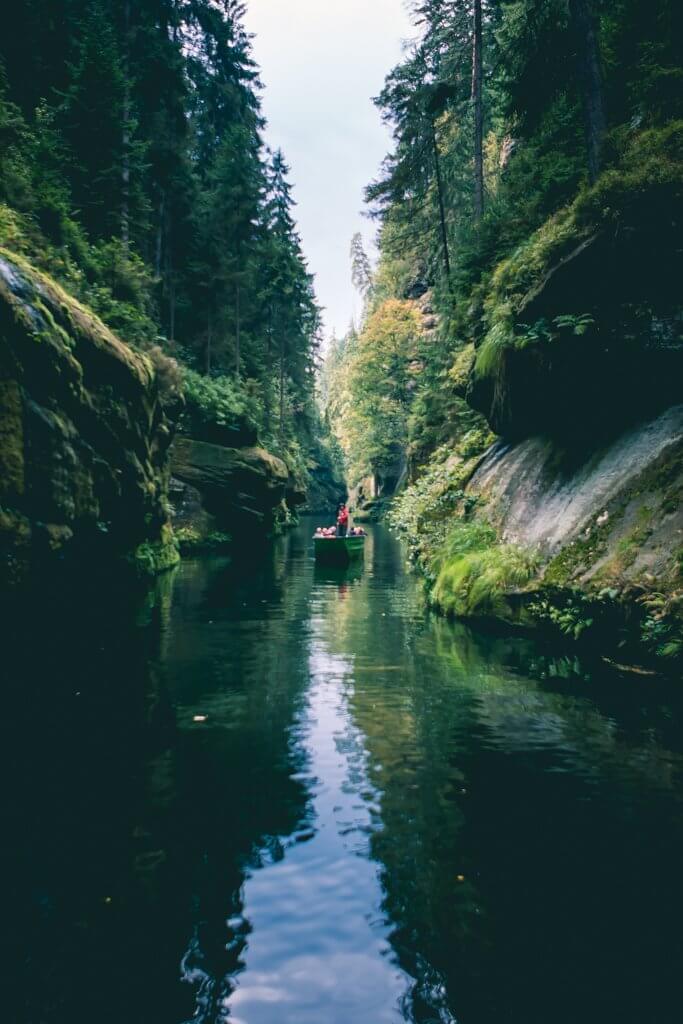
x=338 y=550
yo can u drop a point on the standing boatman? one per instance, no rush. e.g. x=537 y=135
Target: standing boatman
x=342 y=520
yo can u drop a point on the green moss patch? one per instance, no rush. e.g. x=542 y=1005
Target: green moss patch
x=477 y=572
x=193 y=542
x=154 y=557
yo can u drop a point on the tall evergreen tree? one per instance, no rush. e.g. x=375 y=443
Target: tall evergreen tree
x=134 y=140
x=361 y=270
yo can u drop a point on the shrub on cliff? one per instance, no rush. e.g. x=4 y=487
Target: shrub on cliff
x=645 y=184
x=221 y=402
x=426 y=510
x=477 y=572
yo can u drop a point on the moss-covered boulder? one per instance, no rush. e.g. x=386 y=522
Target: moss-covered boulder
x=84 y=433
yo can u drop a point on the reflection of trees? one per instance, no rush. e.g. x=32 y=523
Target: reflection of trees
x=506 y=804
x=89 y=895
x=236 y=654
x=130 y=826
x=413 y=764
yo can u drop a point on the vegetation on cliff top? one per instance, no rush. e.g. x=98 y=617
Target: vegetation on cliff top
x=133 y=170
x=644 y=184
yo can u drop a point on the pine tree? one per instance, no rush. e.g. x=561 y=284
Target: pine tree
x=361 y=269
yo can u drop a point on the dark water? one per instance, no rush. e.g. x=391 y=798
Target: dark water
x=279 y=796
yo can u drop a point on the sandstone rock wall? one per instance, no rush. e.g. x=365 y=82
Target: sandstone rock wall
x=242 y=488
x=84 y=435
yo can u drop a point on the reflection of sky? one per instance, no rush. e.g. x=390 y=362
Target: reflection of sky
x=318 y=951
x=321 y=63
x=474 y=886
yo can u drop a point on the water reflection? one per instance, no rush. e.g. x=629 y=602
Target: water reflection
x=267 y=793
x=318 y=936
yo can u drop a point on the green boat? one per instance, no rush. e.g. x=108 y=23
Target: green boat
x=338 y=550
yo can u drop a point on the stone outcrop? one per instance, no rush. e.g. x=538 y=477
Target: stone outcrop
x=605 y=530
x=578 y=367
x=544 y=497
x=627 y=363
x=84 y=434
x=241 y=488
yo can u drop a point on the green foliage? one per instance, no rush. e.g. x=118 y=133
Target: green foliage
x=371 y=388
x=153 y=557
x=133 y=170
x=543 y=331
x=539 y=204
x=661 y=628
x=425 y=511
x=649 y=171
x=113 y=282
x=219 y=401
x=191 y=541
x=477 y=572
x=571 y=618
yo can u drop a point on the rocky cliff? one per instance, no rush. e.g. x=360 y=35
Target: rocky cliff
x=240 y=489
x=603 y=531
x=84 y=434
x=326 y=486
x=573 y=518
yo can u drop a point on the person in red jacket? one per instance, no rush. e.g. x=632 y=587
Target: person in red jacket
x=342 y=520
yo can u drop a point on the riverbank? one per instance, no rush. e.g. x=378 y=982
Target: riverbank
x=542 y=537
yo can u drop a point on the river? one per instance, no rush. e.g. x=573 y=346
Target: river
x=268 y=794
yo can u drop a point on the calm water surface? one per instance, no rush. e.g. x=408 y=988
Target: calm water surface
x=277 y=795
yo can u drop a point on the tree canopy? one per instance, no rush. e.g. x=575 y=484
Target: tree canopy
x=134 y=168
x=519 y=127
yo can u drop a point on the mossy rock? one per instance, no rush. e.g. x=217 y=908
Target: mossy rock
x=154 y=557
x=84 y=433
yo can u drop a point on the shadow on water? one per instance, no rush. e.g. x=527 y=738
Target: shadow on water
x=338 y=576
x=85 y=716
x=124 y=851
x=261 y=792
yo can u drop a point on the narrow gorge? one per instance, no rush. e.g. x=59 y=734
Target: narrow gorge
x=341 y=511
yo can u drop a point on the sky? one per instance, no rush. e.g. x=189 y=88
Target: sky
x=321 y=63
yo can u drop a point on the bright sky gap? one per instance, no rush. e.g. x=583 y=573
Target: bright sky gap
x=321 y=62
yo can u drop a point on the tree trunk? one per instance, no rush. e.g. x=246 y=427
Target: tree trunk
x=478 y=105
x=160 y=236
x=282 y=387
x=269 y=348
x=174 y=21
x=209 y=339
x=442 y=207
x=171 y=308
x=125 y=130
x=237 y=331
x=168 y=286
x=591 y=82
